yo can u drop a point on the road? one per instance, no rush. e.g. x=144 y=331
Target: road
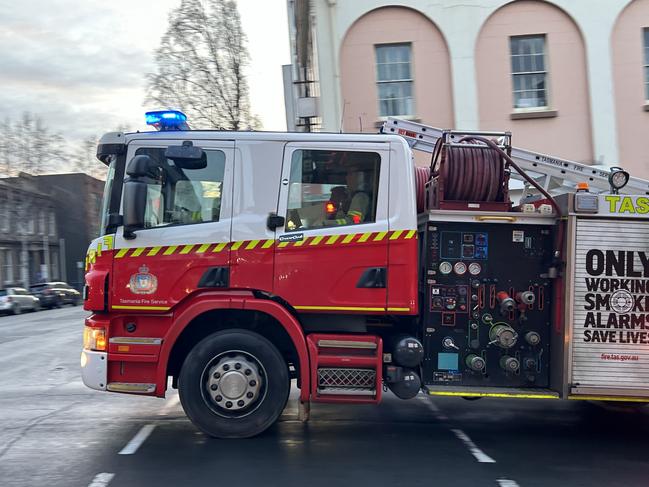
x=55 y=432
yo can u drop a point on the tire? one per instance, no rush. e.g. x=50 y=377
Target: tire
x=260 y=357
x=16 y=309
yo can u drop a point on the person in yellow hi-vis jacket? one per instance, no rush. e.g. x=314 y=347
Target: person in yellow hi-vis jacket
x=359 y=205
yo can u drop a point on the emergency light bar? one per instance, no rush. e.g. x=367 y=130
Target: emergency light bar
x=167 y=120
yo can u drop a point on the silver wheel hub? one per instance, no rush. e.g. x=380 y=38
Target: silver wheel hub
x=234 y=382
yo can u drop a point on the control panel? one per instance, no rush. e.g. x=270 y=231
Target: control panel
x=488 y=304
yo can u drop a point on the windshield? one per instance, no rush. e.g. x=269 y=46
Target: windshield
x=108 y=188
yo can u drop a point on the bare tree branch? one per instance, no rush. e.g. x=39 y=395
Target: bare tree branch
x=200 y=66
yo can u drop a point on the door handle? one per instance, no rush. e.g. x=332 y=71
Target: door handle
x=274 y=221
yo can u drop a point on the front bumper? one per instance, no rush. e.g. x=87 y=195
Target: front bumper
x=94 y=369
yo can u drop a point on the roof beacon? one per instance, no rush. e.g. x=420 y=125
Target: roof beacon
x=167 y=120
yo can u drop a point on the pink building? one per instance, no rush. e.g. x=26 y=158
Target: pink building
x=567 y=77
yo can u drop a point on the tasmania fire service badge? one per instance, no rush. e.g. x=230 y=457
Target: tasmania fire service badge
x=143 y=282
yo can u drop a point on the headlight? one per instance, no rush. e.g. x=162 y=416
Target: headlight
x=618 y=179
x=94 y=339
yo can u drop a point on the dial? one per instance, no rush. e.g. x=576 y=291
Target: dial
x=445 y=268
x=475 y=268
x=460 y=268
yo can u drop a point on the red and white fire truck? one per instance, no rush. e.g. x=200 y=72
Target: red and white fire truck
x=234 y=262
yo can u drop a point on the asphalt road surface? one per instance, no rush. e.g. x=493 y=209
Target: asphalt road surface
x=55 y=432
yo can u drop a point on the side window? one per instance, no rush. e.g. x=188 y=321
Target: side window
x=332 y=188
x=181 y=196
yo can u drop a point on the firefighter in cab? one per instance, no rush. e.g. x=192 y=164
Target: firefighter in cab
x=349 y=204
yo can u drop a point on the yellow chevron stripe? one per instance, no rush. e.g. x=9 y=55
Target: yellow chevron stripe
x=121 y=253
x=153 y=251
x=268 y=244
x=283 y=244
x=252 y=244
x=348 y=238
x=137 y=252
x=411 y=233
x=186 y=249
x=396 y=234
x=236 y=245
x=299 y=243
x=332 y=239
x=380 y=236
x=99 y=249
x=170 y=250
x=364 y=237
x=316 y=240
x=203 y=248
x=220 y=247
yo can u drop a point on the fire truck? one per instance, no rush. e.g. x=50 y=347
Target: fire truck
x=232 y=263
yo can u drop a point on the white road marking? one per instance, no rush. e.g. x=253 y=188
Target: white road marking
x=481 y=456
x=507 y=483
x=434 y=408
x=141 y=436
x=101 y=479
x=171 y=403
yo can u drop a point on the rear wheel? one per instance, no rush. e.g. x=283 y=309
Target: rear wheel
x=234 y=384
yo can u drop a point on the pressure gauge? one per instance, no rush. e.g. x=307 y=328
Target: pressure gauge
x=460 y=268
x=445 y=268
x=475 y=268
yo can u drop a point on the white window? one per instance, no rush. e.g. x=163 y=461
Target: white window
x=646 y=62
x=7 y=266
x=529 y=72
x=394 y=80
x=52 y=225
x=4 y=216
x=41 y=223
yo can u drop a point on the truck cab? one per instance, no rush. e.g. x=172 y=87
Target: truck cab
x=276 y=235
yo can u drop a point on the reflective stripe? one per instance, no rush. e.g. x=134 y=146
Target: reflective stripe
x=349 y=238
x=316 y=240
x=336 y=308
x=170 y=250
x=203 y=248
x=411 y=233
x=267 y=244
x=380 y=236
x=220 y=247
x=147 y=308
x=283 y=244
x=236 y=245
x=137 y=252
x=121 y=253
x=252 y=244
x=153 y=251
x=396 y=234
x=186 y=249
x=332 y=239
x=364 y=237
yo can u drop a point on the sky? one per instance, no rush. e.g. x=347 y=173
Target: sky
x=80 y=64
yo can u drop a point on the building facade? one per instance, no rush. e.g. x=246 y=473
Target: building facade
x=566 y=77
x=46 y=224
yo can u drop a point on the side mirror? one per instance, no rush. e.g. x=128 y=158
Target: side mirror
x=134 y=206
x=187 y=156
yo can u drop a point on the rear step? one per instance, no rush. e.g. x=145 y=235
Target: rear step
x=346 y=368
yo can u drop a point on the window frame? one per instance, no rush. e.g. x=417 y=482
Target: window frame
x=373 y=202
x=545 y=72
x=223 y=151
x=409 y=80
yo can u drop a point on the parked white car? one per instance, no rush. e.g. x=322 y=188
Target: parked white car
x=15 y=300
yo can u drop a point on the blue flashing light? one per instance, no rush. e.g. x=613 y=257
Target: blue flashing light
x=165 y=120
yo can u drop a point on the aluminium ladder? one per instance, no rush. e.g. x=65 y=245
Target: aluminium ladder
x=553 y=174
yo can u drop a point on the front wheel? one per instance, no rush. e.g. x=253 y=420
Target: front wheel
x=234 y=384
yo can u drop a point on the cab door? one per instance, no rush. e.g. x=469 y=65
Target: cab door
x=331 y=253
x=185 y=245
